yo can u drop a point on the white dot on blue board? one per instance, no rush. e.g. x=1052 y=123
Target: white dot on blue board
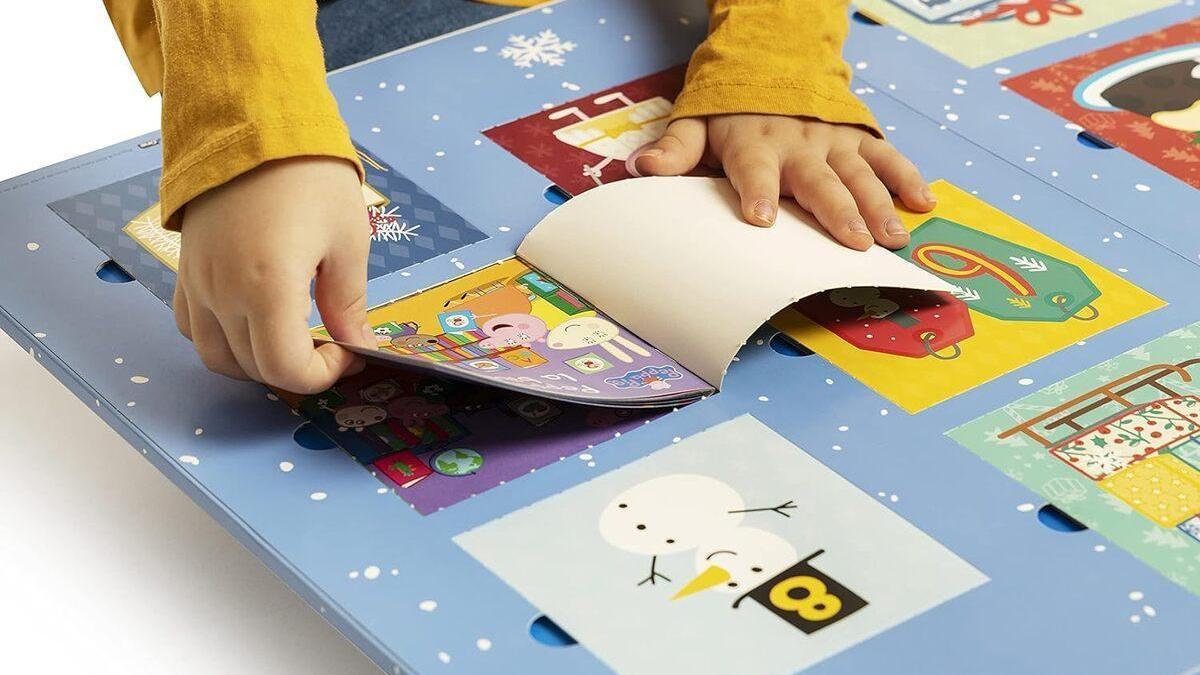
x=483 y=644
x=33 y=246
x=443 y=657
x=1025 y=381
x=1141 y=188
x=480 y=49
x=375 y=130
x=676 y=439
x=764 y=399
x=837 y=448
x=358 y=97
x=1099 y=548
x=427 y=605
x=1016 y=198
x=383 y=85
x=883 y=411
x=1025 y=508
x=843 y=428
x=828 y=381
x=318 y=496
x=401 y=87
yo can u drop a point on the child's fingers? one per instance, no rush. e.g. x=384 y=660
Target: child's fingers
x=677 y=152
x=873 y=199
x=180 y=304
x=818 y=189
x=285 y=353
x=211 y=344
x=237 y=336
x=754 y=172
x=898 y=174
x=341 y=292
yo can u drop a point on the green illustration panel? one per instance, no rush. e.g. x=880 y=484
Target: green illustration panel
x=1116 y=446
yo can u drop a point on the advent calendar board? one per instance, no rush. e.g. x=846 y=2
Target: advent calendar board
x=1003 y=478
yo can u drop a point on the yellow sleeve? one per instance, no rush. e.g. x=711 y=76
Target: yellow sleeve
x=778 y=57
x=242 y=81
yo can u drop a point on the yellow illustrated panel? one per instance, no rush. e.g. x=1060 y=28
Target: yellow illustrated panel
x=1019 y=296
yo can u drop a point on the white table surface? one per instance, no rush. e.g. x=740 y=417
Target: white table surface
x=104 y=566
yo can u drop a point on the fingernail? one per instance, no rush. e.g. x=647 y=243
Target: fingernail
x=858 y=226
x=646 y=150
x=894 y=227
x=928 y=195
x=765 y=211
x=369 y=335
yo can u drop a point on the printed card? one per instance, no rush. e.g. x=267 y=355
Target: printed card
x=408 y=225
x=977 y=32
x=1142 y=95
x=1116 y=446
x=585 y=142
x=511 y=326
x=1019 y=296
x=695 y=558
x=438 y=442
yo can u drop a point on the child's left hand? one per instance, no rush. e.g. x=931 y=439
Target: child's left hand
x=840 y=173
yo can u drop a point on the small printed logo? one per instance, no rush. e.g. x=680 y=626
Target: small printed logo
x=457 y=322
x=654 y=377
x=588 y=364
x=485 y=365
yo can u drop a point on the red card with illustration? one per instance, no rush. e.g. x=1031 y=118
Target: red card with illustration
x=585 y=142
x=1142 y=95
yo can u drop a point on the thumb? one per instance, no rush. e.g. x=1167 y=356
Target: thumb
x=341 y=292
x=677 y=152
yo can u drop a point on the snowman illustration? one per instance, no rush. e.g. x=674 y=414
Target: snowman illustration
x=736 y=560
x=615 y=134
x=591 y=331
x=672 y=514
x=356 y=417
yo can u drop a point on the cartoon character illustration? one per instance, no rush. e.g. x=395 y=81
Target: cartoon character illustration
x=1163 y=86
x=591 y=331
x=671 y=514
x=738 y=559
x=417 y=343
x=357 y=417
x=413 y=411
x=615 y=134
x=512 y=330
x=380 y=392
x=869 y=298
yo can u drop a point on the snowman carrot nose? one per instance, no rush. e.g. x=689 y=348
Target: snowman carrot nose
x=705 y=580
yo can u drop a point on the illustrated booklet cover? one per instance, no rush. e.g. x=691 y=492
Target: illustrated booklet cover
x=637 y=293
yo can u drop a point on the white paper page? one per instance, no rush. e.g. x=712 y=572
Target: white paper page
x=671 y=260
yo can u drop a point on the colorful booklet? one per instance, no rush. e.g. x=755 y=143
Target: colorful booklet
x=634 y=294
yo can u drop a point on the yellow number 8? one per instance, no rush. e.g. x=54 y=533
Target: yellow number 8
x=818 y=605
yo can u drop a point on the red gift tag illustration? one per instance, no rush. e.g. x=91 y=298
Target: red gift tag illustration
x=896 y=321
x=585 y=142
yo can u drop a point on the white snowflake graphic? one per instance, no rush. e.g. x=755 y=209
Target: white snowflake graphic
x=545 y=47
x=387 y=226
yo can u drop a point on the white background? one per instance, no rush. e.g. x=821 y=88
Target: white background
x=104 y=566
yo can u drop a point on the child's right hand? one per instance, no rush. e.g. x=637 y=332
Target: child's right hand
x=251 y=249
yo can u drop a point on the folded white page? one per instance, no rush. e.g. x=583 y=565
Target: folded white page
x=671 y=260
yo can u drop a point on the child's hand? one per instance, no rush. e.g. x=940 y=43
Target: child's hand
x=250 y=250
x=839 y=173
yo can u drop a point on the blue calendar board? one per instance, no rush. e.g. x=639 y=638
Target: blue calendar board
x=799 y=519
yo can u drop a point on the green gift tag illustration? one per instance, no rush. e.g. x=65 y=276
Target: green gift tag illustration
x=1002 y=279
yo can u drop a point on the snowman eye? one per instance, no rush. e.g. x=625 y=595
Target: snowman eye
x=621 y=506
x=670 y=541
x=732 y=584
x=755 y=569
x=641 y=526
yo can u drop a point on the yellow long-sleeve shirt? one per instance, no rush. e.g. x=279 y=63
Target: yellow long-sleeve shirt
x=243 y=81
